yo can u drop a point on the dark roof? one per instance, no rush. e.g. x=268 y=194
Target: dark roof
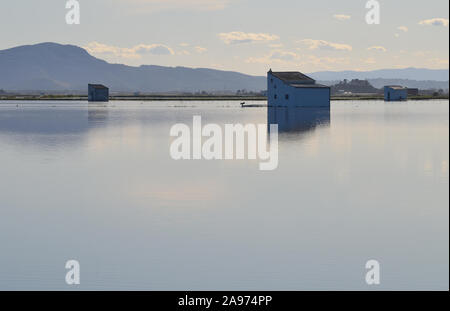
x=292 y=76
x=98 y=86
x=310 y=86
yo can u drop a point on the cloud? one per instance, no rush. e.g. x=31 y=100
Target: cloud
x=183 y=52
x=277 y=56
x=96 y=48
x=370 y=61
x=130 y=53
x=327 y=62
x=292 y=59
x=284 y=55
x=217 y=66
x=435 y=22
x=276 y=45
x=377 y=48
x=154 y=49
x=422 y=53
x=155 y=5
x=341 y=17
x=325 y=45
x=440 y=62
x=403 y=28
x=200 y=49
x=238 y=37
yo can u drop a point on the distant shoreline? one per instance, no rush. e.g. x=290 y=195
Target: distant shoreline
x=193 y=98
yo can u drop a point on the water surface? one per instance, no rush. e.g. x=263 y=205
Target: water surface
x=368 y=180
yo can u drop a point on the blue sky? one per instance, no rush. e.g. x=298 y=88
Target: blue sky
x=249 y=36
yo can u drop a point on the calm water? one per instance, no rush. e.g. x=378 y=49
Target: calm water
x=367 y=181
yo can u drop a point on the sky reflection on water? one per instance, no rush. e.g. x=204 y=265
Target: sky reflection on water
x=367 y=181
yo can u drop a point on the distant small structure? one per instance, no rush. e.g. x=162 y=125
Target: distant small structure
x=294 y=89
x=395 y=93
x=98 y=93
x=413 y=92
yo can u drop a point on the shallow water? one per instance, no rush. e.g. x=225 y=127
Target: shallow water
x=96 y=183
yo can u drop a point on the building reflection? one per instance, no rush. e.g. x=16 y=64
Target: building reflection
x=50 y=125
x=97 y=115
x=43 y=121
x=52 y=121
x=298 y=120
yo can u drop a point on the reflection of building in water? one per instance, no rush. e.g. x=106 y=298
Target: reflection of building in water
x=44 y=126
x=51 y=126
x=294 y=89
x=43 y=121
x=291 y=119
x=97 y=115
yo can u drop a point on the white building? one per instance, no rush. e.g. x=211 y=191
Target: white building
x=294 y=89
x=395 y=93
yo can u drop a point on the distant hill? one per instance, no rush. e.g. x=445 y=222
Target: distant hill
x=405 y=74
x=354 y=86
x=56 y=67
x=422 y=85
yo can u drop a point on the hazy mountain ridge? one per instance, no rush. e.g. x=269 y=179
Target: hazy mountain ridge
x=418 y=74
x=423 y=85
x=380 y=83
x=56 y=67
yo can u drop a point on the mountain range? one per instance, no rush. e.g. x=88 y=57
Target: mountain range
x=56 y=67
x=404 y=74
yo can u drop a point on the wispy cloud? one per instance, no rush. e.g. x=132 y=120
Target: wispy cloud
x=435 y=22
x=327 y=62
x=200 y=49
x=377 y=48
x=183 y=52
x=134 y=52
x=291 y=59
x=422 y=53
x=325 y=45
x=156 y=5
x=341 y=17
x=154 y=49
x=276 y=45
x=284 y=55
x=369 y=61
x=440 y=62
x=277 y=56
x=238 y=37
